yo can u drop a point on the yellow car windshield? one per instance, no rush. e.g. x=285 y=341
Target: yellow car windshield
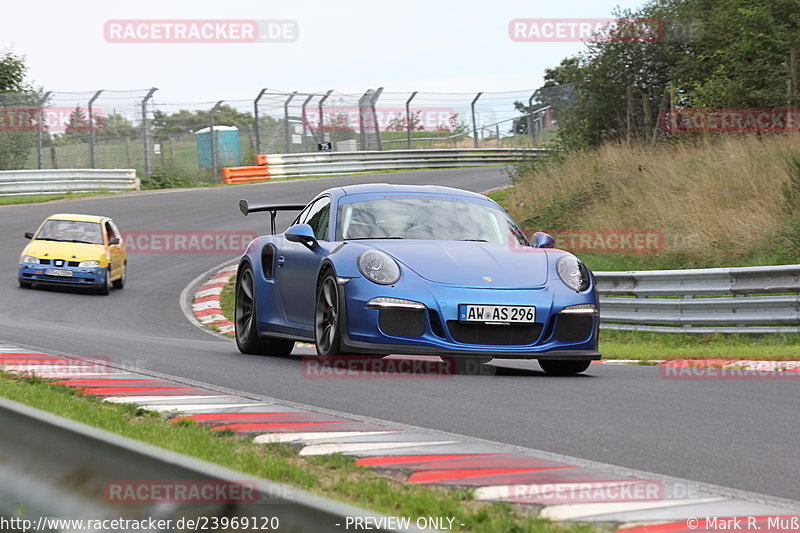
x=71 y=231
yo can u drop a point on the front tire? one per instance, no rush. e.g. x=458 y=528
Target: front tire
x=120 y=283
x=247 y=339
x=563 y=368
x=105 y=288
x=327 y=318
x=25 y=284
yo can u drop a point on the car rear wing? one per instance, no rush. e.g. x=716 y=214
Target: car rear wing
x=273 y=209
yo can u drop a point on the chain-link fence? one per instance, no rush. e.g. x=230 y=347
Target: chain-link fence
x=179 y=141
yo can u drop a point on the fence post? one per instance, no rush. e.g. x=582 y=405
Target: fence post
x=474 y=122
x=321 y=119
x=214 y=162
x=91 y=127
x=373 y=101
x=305 y=123
x=286 y=132
x=362 y=141
x=146 y=134
x=39 y=118
x=530 y=119
x=257 y=125
x=408 y=117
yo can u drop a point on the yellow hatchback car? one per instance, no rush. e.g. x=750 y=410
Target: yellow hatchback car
x=75 y=250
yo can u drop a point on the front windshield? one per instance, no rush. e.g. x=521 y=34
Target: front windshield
x=426 y=218
x=71 y=231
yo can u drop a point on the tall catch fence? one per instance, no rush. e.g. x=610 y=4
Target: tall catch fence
x=169 y=140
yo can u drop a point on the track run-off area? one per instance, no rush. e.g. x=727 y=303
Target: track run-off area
x=733 y=433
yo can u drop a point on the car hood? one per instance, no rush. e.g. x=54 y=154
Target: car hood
x=71 y=251
x=471 y=264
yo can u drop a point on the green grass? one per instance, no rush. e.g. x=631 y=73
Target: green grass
x=332 y=476
x=41 y=198
x=649 y=345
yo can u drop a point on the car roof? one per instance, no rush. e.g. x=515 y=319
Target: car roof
x=77 y=218
x=367 y=188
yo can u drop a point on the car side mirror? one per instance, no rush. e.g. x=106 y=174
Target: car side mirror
x=113 y=241
x=303 y=234
x=543 y=240
x=29 y=235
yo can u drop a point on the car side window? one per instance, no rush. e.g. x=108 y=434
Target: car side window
x=318 y=217
x=109 y=232
x=301 y=218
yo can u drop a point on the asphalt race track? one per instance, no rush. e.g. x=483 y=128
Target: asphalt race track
x=740 y=433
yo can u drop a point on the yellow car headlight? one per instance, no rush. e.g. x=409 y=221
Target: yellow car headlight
x=30 y=259
x=89 y=264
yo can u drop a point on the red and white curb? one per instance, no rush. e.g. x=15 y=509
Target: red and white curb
x=559 y=488
x=206 y=306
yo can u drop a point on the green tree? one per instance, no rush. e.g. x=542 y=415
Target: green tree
x=77 y=129
x=114 y=127
x=715 y=53
x=19 y=102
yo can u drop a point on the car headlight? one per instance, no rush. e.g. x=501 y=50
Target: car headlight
x=573 y=273
x=30 y=259
x=89 y=264
x=378 y=267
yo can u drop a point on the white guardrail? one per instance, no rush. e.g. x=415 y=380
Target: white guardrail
x=307 y=164
x=61 y=181
x=753 y=300
x=56 y=468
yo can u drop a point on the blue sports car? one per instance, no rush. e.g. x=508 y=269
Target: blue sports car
x=384 y=269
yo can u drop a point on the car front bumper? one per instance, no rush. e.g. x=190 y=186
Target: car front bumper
x=435 y=329
x=33 y=273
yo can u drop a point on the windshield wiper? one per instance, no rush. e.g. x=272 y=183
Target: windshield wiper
x=366 y=238
x=474 y=240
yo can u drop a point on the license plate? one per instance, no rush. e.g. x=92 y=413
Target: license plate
x=517 y=314
x=57 y=272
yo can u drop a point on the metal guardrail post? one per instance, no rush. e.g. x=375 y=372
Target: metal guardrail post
x=474 y=122
x=39 y=120
x=322 y=116
x=408 y=117
x=92 y=100
x=286 y=133
x=256 y=121
x=305 y=121
x=214 y=162
x=148 y=170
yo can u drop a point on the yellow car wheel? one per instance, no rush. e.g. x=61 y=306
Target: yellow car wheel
x=120 y=283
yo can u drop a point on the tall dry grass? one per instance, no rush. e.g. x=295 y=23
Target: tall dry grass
x=724 y=197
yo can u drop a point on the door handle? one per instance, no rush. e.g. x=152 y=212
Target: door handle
x=281 y=260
